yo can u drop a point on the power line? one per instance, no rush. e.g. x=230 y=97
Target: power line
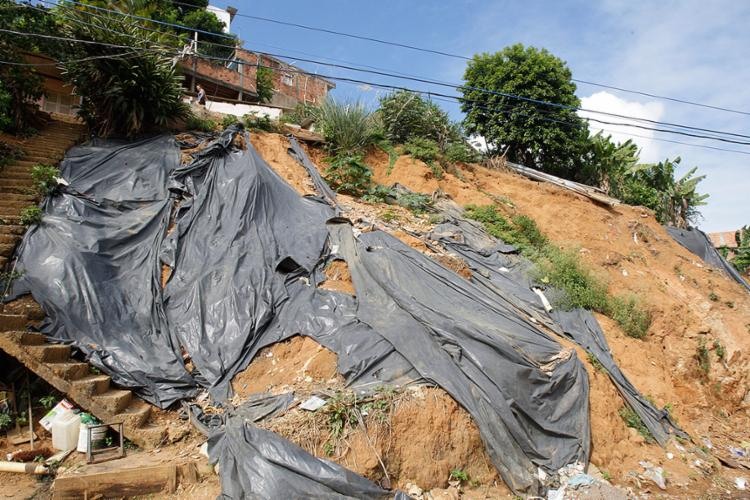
x=465 y=58
x=687 y=134
x=462 y=87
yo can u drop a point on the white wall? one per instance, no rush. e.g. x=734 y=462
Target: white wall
x=222 y=15
x=243 y=109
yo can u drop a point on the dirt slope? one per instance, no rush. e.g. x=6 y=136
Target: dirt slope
x=691 y=305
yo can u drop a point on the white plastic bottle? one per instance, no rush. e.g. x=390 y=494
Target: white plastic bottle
x=65 y=431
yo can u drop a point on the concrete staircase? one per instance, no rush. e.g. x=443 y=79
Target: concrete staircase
x=89 y=389
x=16 y=185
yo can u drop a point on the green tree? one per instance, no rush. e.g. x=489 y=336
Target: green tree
x=674 y=201
x=21 y=86
x=264 y=84
x=550 y=138
x=123 y=92
x=605 y=163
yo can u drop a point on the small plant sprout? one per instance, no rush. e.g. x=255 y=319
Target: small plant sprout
x=47 y=401
x=721 y=352
x=31 y=215
x=459 y=475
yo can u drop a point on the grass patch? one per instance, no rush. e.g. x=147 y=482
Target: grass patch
x=632 y=420
x=229 y=120
x=427 y=151
x=348 y=128
x=458 y=475
x=719 y=349
x=562 y=269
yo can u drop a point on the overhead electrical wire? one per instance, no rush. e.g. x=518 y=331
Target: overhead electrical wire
x=393 y=87
x=466 y=58
x=457 y=87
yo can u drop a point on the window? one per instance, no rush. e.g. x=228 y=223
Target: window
x=287 y=80
x=64 y=104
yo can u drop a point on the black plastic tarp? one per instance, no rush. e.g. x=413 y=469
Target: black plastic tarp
x=528 y=396
x=92 y=264
x=698 y=243
x=498 y=267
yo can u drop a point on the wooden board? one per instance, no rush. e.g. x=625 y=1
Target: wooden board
x=125 y=482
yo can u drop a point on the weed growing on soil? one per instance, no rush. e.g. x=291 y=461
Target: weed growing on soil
x=229 y=120
x=349 y=128
x=48 y=402
x=701 y=354
x=606 y=475
x=458 y=475
x=392 y=154
x=632 y=420
x=31 y=215
x=721 y=352
x=417 y=203
x=427 y=151
x=562 y=269
x=378 y=194
x=348 y=174
x=45 y=179
x=262 y=122
x=5 y=421
x=7 y=278
x=388 y=216
x=595 y=362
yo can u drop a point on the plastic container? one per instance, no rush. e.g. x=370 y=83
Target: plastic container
x=98 y=435
x=65 y=429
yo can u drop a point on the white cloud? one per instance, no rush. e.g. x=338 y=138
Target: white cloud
x=606 y=102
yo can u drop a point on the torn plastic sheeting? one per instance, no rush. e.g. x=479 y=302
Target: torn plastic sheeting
x=321 y=186
x=578 y=325
x=247 y=256
x=527 y=395
x=92 y=264
x=698 y=243
x=254 y=463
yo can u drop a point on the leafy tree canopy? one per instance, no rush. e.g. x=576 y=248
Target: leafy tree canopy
x=546 y=137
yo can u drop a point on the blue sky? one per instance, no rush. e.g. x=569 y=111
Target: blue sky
x=695 y=50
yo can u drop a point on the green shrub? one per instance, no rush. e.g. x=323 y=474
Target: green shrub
x=459 y=475
x=31 y=215
x=201 y=124
x=632 y=318
x=417 y=203
x=229 y=120
x=45 y=179
x=460 y=152
x=562 y=269
x=5 y=421
x=7 y=278
x=302 y=114
x=634 y=421
x=348 y=174
x=701 y=355
x=422 y=149
x=379 y=194
x=406 y=115
x=260 y=122
x=349 y=128
x=720 y=350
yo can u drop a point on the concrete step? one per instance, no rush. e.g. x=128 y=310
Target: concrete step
x=14 y=204
x=14 y=189
x=10 y=239
x=7 y=249
x=135 y=414
x=43 y=159
x=33 y=338
x=17 y=174
x=114 y=401
x=70 y=370
x=12 y=229
x=26 y=183
x=50 y=353
x=10 y=219
x=91 y=385
x=30 y=198
x=12 y=322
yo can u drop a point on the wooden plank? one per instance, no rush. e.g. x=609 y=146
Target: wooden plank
x=124 y=482
x=590 y=192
